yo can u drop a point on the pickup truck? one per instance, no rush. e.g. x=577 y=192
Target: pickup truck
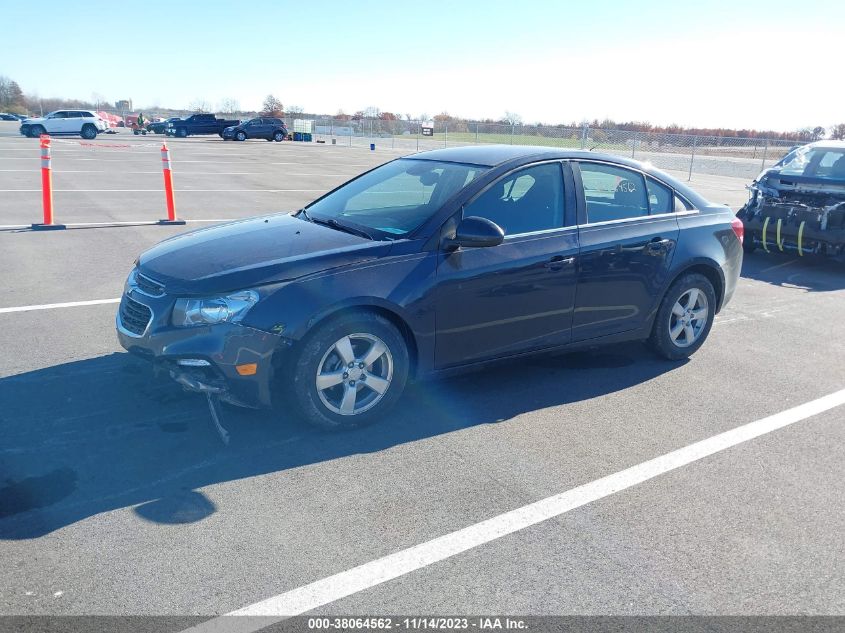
x=198 y=124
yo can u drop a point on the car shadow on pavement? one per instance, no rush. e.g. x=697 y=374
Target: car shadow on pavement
x=810 y=273
x=101 y=434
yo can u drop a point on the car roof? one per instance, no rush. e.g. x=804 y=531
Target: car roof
x=828 y=144
x=494 y=155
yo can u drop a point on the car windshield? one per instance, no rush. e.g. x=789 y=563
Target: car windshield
x=818 y=162
x=396 y=198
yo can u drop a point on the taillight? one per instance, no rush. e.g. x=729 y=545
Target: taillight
x=739 y=229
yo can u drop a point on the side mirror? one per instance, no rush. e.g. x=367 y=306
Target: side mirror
x=477 y=232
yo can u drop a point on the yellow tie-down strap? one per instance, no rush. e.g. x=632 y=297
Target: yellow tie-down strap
x=801 y=238
x=765 y=226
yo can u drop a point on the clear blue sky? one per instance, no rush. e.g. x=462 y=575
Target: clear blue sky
x=761 y=64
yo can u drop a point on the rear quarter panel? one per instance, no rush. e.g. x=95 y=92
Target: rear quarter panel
x=707 y=238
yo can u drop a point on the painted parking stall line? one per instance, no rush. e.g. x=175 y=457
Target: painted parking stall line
x=321 y=592
x=53 y=306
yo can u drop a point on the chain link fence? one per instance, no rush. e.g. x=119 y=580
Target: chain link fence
x=685 y=155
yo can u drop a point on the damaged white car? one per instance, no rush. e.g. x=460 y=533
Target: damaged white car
x=799 y=203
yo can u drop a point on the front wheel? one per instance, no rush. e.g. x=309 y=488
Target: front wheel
x=88 y=132
x=350 y=371
x=684 y=318
x=278 y=137
x=241 y=136
x=36 y=130
x=181 y=132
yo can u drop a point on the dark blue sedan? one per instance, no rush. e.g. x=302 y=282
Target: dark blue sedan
x=428 y=264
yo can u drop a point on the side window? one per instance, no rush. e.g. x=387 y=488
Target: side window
x=527 y=200
x=659 y=197
x=60 y=115
x=682 y=205
x=613 y=193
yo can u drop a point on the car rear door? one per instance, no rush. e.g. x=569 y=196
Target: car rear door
x=519 y=295
x=628 y=233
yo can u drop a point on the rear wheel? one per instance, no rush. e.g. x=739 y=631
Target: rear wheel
x=684 y=318
x=350 y=371
x=241 y=135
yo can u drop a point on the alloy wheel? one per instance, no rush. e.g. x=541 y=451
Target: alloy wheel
x=689 y=318
x=354 y=374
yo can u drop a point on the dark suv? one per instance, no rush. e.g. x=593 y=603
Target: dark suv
x=269 y=129
x=428 y=264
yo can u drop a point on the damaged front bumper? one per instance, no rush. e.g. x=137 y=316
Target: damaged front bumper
x=801 y=221
x=229 y=360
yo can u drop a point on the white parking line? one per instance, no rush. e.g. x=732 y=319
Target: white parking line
x=106 y=224
x=50 y=306
x=160 y=191
x=322 y=592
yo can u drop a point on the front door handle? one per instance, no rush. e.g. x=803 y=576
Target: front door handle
x=658 y=245
x=558 y=261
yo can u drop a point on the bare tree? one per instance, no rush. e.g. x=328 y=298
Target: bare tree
x=512 y=117
x=294 y=109
x=200 y=105
x=838 y=132
x=230 y=105
x=372 y=112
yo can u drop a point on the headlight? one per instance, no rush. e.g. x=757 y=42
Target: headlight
x=232 y=308
x=130 y=281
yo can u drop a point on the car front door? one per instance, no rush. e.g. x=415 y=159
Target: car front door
x=517 y=296
x=57 y=123
x=627 y=233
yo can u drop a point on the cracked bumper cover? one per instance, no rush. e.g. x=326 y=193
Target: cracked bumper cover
x=224 y=346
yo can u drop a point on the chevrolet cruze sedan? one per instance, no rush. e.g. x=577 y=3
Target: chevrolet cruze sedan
x=428 y=264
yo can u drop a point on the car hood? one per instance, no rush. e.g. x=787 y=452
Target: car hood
x=773 y=182
x=251 y=253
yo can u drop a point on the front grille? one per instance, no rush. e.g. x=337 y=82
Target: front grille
x=149 y=286
x=134 y=316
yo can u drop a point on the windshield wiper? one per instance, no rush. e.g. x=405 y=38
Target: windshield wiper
x=342 y=227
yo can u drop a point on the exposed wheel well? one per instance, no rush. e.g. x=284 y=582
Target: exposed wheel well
x=712 y=276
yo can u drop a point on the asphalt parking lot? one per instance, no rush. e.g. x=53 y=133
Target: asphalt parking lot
x=116 y=496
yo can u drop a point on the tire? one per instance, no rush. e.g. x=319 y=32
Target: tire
x=278 y=137
x=323 y=352
x=690 y=295
x=36 y=130
x=181 y=132
x=240 y=136
x=88 y=132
